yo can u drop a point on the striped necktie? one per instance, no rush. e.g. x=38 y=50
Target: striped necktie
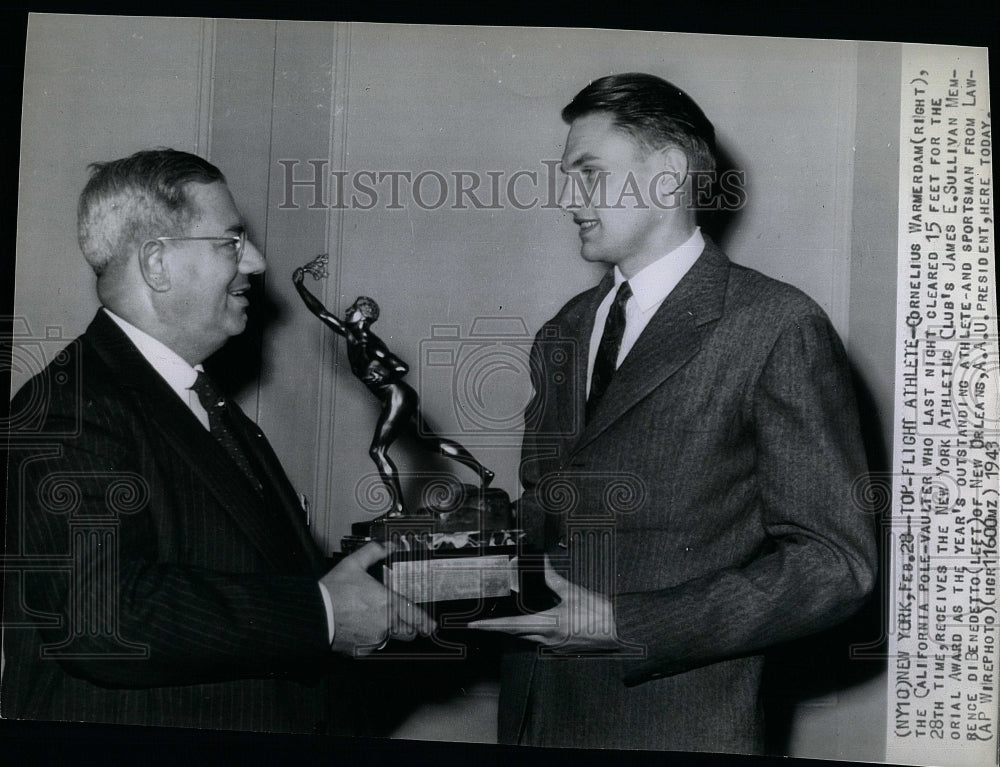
x=221 y=425
x=607 y=352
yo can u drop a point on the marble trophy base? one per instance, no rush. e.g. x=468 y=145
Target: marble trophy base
x=459 y=554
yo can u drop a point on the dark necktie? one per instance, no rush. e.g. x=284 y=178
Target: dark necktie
x=607 y=352
x=220 y=423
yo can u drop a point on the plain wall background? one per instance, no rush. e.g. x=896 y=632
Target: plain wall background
x=89 y=95
x=247 y=94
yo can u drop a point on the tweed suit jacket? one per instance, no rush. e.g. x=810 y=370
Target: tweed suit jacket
x=716 y=478
x=153 y=584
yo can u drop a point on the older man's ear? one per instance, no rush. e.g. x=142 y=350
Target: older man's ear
x=151 y=264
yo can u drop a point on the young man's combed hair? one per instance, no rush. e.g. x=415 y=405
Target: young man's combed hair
x=653 y=111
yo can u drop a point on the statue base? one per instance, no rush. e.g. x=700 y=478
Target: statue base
x=461 y=548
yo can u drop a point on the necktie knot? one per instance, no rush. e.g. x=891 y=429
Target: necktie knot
x=623 y=295
x=209 y=394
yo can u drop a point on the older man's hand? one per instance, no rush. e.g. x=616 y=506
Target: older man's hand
x=365 y=613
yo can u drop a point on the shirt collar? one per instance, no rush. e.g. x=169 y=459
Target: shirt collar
x=651 y=285
x=174 y=370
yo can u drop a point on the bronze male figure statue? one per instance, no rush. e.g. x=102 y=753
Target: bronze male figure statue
x=382 y=373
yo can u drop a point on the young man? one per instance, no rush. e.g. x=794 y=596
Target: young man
x=722 y=399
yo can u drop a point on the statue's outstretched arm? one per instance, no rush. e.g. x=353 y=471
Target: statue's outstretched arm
x=317 y=268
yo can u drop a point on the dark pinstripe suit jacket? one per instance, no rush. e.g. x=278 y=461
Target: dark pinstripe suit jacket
x=731 y=427
x=162 y=588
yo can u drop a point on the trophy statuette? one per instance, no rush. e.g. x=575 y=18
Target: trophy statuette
x=461 y=546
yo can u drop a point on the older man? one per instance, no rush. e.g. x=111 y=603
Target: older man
x=721 y=400
x=184 y=587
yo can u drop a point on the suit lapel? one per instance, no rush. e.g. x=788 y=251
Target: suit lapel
x=671 y=339
x=194 y=446
x=580 y=327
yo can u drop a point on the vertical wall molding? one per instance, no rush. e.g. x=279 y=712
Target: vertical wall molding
x=326 y=454
x=840 y=263
x=237 y=75
x=206 y=89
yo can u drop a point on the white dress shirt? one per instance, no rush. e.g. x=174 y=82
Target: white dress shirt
x=650 y=287
x=180 y=376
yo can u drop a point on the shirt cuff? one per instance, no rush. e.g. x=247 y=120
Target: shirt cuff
x=328 y=604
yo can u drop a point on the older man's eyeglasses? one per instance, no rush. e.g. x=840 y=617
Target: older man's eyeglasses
x=237 y=242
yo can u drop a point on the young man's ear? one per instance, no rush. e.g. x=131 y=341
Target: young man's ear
x=673 y=171
x=151 y=263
